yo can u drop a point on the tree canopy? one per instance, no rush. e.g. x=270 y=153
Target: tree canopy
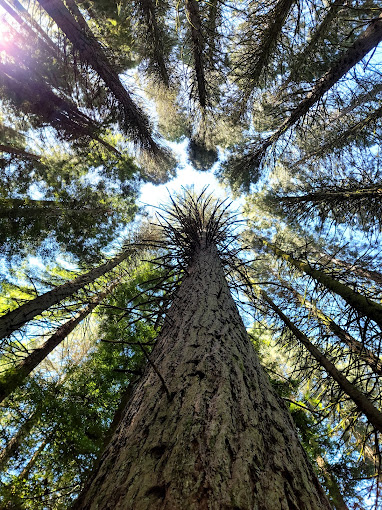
x=283 y=99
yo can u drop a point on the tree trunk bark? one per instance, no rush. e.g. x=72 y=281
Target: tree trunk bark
x=13 y=445
x=373 y=414
x=364 y=305
x=135 y=122
x=204 y=429
x=366 y=42
x=331 y=484
x=12 y=379
x=17 y=318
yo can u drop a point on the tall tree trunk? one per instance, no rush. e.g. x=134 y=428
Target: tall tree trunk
x=357 y=347
x=17 y=318
x=135 y=122
x=14 y=444
x=366 y=42
x=302 y=57
x=148 y=10
x=28 y=468
x=255 y=64
x=198 y=44
x=340 y=195
x=204 y=428
x=12 y=379
x=348 y=134
x=360 y=271
x=364 y=305
x=331 y=484
x=373 y=414
x=15 y=151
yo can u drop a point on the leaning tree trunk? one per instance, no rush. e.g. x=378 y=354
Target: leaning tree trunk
x=365 y=306
x=367 y=41
x=331 y=483
x=13 y=446
x=204 y=428
x=356 y=347
x=13 y=378
x=17 y=318
x=363 y=403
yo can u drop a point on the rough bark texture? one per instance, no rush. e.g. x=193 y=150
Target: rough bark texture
x=223 y=439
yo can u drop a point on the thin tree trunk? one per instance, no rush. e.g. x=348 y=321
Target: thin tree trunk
x=13 y=445
x=345 y=135
x=18 y=152
x=340 y=195
x=17 y=318
x=35 y=26
x=319 y=33
x=12 y=379
x=147 y=8
x=366 y=42
x=195 y=26
x=362 y=402
x=135 y=122
x=204 y=428
x=357 y=347
x=331 y=484
x=28 y=468
x=256 y=63
x=360 y=271
x=365 y=306
x=16 y=207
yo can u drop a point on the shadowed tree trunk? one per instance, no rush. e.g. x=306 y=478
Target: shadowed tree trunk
x=15 y=151
x=366 y=42
x=14 y=444
x=12 y=379
x=364 y=305
x=204 y=428
x=198 y=49
x=155 y=38
x=373 y=414
x=348 y=135
x=17 y=318
x=251 y=66
x=360 y=271
x=77 y=31
x=357 y=347
x=331 y=484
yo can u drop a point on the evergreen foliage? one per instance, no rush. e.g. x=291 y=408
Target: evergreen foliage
x=284 y=99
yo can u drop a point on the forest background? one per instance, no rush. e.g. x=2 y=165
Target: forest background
x=283 y=99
